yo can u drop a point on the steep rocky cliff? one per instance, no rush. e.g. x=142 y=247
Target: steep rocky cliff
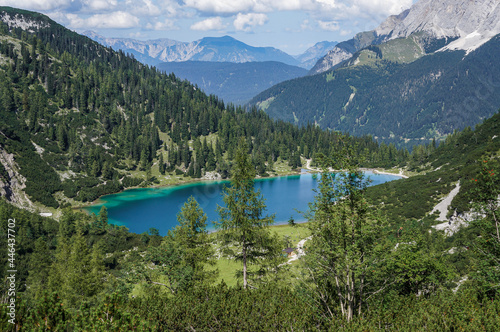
x=441 y=25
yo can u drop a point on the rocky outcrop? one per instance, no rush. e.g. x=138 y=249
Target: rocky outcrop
x=333 y=58
x=460 y=24
x=23 y=22
x=12 y=183
x=309 y=58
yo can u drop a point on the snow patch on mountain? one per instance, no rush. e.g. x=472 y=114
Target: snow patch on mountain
x=464 y=24
x=472 y=22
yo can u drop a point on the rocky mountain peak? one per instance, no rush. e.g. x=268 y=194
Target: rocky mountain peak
x=472 y=20
x=464 y=24
x=391 y=23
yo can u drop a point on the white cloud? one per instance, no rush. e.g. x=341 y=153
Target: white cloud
x=36 y=4
x=143 y=7
x=240 y=6
x=367 y=7
x=137 y=35
x=220 y=6
x=115 y=20
x=382 y=7
x=226 y=7
x=345 y=32
x=293 y=4
x=347 y=9
x=213 y=23
x=166 y=25
x=244 y=22
x=172 y=8
x=329 y=25
x=305 y=25
x=99 y=5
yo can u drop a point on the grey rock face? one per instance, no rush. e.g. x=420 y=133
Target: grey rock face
x=467 y=24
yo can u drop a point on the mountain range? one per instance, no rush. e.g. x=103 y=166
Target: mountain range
x=434 y=25
x=420 y=75
x=209 y=49
x=79 y=120
x=224 y=66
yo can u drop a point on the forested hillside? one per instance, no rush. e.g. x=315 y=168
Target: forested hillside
x=425 y=99
x=86 y=274
x=437 y=169
x=235 y=83
x=80 y=120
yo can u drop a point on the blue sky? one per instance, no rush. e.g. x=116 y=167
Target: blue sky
x=290 y=25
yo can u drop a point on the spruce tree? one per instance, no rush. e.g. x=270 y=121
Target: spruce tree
x=343 y=255
x=181 y=259
x=40 y=264
x=161 y=164
x=243 y=228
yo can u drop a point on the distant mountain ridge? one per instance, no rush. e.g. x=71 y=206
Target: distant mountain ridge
x=213 y=49
x=210 y=49
x=440 y=25
x=236 y=83
x=224 y=66
x=407 y=80
x=309 y=58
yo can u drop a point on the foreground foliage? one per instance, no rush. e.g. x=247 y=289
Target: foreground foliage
x=82 y=121
x=272 y=308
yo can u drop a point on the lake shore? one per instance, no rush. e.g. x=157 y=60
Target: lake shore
x=180 y=181
x=376 y=171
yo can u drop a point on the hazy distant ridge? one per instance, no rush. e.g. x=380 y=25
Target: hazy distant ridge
x=211 y=49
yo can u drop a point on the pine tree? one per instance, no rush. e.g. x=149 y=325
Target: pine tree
x=181 y=259
x=84 y=271
x=40 y=265
x=107 y=171
x=210 y=166
x=344 y=253
x=103 y=215
x=191 y=235
x=161 y=164
x=243 y=228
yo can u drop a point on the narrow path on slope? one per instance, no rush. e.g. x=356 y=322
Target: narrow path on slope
x=300 y=251
x=442 y=207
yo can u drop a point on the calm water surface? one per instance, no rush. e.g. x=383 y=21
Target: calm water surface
x=145 y=208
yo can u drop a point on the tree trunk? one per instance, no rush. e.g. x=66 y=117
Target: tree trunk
x=340 y=296
x=496 y=223
x=244 y=266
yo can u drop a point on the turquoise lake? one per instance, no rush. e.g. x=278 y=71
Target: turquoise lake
x=145 y=208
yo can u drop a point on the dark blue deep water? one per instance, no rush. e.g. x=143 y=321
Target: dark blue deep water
x=145 y=208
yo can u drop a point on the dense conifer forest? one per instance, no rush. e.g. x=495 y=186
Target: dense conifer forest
x=79 y=120
x=400 y=102
x=91 y=119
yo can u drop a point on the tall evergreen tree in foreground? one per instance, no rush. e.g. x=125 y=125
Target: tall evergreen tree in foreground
x=243 y=228
x=486 y=225
x=182 y=257
x=345 y=250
